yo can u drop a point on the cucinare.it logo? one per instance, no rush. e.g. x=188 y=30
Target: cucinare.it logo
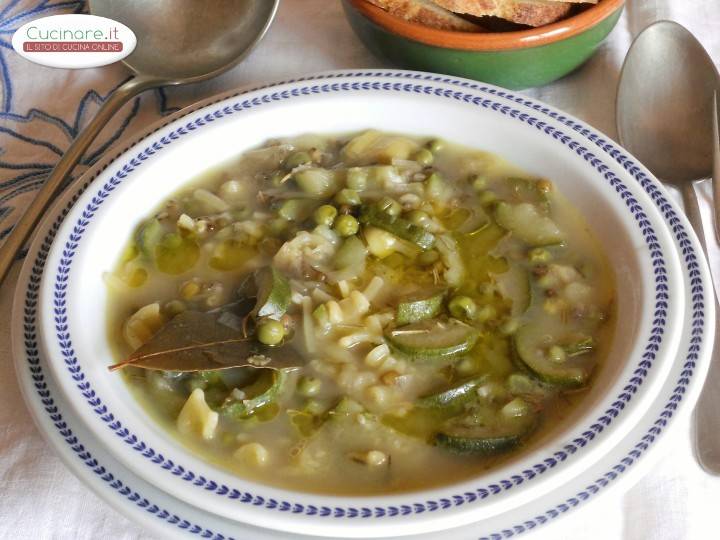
x=74 y=41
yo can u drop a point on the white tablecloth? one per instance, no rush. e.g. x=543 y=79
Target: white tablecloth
x=40 y=111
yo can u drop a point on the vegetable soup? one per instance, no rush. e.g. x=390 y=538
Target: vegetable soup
x=361 y=314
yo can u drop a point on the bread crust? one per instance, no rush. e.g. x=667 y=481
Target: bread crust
x=528 y=12
x=427 y=13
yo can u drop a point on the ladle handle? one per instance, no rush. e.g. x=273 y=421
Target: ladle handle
x=53 y=185
x=707 y=410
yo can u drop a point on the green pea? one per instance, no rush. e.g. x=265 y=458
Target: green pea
x=314 y=407
x=486 y=313
x=557 y=354
x=346 y=225
x=276 y=179
x=348 y=196
x=389 y=206
x=278 y=226
x=296 y=159
x=174 y=307
x=294 y=209
x=487 y=197
x=419 y=218
x=356 y=178
x=547 y=281
x=309 y=386
x=539 y=255
x=462 y=307
x=509 y=327
x=424 y=157
x=325 y=215
x=270 y=332
x=479 y=183
x=435 y=145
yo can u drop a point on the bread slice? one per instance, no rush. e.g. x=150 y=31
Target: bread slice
x=529 y=12
x=427 y=13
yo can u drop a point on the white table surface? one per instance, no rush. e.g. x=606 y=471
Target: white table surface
x=39 y=498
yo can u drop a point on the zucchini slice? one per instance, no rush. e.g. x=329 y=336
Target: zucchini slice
x=452 y=397
x=273 y=296
x=149 y=237
x=529 y=225
x=433 y=338
x=486 y=430
x=239 y=409
x=420 y=306
x=400 y=227
x=527 y=190
x=532 y=342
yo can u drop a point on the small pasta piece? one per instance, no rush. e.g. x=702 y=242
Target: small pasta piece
x=379 y=395
x=335 y=314
x=410 y=201
x=372 y=323
x=186 y=222
x=201 y=226
x=297 y=298
x=336 y=354
x=251 y=228
x=385 y=317
x=196 y=417
x=235 y=190
x=322 y=367
x=373 y=458
x=142 y=325
x=359 y=302
x=320 y=296
x=377 y=355
x=254 y=454
x=359 y=337
x=344 y=288
x=351 y=380
x=210 y=200
x=373 y=288
x=390 y=363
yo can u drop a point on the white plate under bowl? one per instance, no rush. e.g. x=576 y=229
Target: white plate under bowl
x=664 y=305
x=167 y=517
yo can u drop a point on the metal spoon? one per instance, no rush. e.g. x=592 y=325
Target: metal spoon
x=178 y=42
x=664 y=117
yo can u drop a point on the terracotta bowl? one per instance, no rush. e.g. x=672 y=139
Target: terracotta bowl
x=515 y=59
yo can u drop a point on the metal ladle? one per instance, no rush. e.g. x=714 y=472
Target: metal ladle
x=178 y=42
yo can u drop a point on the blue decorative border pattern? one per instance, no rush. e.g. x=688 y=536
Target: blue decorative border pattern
x=36 y=372
x=689 y=255
x=65 y=340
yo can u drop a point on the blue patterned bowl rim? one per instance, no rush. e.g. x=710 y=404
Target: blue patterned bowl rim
x=419 y=82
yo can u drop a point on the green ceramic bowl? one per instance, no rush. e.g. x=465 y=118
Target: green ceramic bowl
x=515 y=60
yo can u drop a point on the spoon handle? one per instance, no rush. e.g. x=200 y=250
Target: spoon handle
x=716 y=163
x=53 y=184
x=707 y=411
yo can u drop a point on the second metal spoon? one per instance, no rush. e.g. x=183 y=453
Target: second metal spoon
x=664 y=117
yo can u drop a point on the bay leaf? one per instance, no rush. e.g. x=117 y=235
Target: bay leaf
x=199 y=341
